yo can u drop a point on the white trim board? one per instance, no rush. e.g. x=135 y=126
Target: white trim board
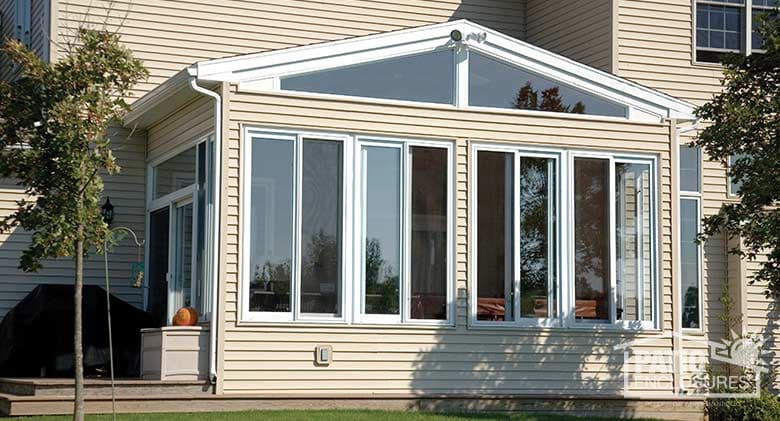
x=261 y=71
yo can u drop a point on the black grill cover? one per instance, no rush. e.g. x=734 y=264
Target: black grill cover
x=36 y=336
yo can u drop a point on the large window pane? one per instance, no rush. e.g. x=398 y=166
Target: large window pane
x=429 y=233
x=321 y=214
x=633 y=210
x=271 y=217
x=690 y=168
x=424 y=77
x=382 y=241
x=591 y=238
x=689 y=262
x=537 y=238
x=175 y=173
x=495 y=204
x=496 y=84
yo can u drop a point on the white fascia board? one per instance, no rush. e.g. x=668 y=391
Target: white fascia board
x=251 y=66
x=643 y=103
x=142 y=107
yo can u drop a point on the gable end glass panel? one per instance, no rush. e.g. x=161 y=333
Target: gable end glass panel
x=428 y=77
x=496 y=84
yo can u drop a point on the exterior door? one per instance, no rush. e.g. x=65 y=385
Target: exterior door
x=159 y=232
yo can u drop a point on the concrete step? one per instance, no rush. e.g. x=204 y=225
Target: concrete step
x=101 y=387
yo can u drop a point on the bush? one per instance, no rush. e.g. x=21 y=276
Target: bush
x=767 y=407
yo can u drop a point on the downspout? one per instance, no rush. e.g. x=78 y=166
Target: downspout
x=215 y=220
x=677 y=344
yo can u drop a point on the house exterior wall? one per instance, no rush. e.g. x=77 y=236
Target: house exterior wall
x=578 y=29
x=272 y=359
x=191 y=122
x=171 y=35
x=126 y=191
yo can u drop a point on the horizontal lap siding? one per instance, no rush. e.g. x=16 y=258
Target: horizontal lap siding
x=655 y=49
x=578 y=29
x=384 y=360
x=191 y=122
x=126 y=192
x=169 y=35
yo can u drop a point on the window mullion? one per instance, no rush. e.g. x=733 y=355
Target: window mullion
x=612 y=244
x=297 y=255
x=516 y=239
x=406 y=234
x=747 y=38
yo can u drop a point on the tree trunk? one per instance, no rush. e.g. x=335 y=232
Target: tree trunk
x=78 y=350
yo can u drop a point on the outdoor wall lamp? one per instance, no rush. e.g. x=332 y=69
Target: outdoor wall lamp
x=107 y=211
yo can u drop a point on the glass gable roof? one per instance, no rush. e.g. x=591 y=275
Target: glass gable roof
x=432 y=78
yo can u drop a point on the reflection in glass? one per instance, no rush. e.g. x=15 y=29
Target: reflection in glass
x=690 y=168
x=495 y=198
x=429 y=233
x=689 y=262
x=271 y=238
x=175 y=173
x=424 y=77
x=537 y=238
x=182 y=283
x=633 y=242
x=321 y=214
x=382 y=241
x=591 y=238
x=493 y=83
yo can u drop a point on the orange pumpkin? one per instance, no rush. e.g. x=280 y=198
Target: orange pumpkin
x=185 y=316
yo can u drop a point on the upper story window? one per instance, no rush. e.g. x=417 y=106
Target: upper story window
x=22 y=28
x=724 y=26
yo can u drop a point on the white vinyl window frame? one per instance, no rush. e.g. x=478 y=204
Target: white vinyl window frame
x=613 y=322
x=695 y=195
x=172 y=201
x=297 y=138
x=746 y=39
x=352 y=226
x=405 y=145
x=699 y=263
x=554 y=291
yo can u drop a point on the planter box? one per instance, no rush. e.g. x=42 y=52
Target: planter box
x=175 y=353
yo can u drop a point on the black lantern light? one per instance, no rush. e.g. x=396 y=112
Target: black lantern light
x=107 y=211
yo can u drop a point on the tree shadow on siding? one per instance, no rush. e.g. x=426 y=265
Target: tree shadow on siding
x=536 y=370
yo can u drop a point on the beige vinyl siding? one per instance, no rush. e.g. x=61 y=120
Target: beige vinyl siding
x=578 y=29
x=126 y=192
x=655 y=49
x=169 y=35
x=269 y=359
x=187 y=124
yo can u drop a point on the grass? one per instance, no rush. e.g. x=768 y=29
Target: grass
x=337 y=415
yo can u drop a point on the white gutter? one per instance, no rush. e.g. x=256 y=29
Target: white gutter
x=215 y=239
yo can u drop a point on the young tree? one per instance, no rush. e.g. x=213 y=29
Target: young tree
x=53 y=140
x=745 y=121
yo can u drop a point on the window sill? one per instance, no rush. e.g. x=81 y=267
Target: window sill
x=303 y=324
x=583 y=327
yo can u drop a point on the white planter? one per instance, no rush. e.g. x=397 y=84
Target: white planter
x=175 y=353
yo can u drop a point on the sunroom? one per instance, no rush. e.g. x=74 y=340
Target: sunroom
x=438 y=180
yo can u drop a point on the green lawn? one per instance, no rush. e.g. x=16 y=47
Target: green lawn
x=323 y=416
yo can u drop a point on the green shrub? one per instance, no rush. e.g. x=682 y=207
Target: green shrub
x=765 y=408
